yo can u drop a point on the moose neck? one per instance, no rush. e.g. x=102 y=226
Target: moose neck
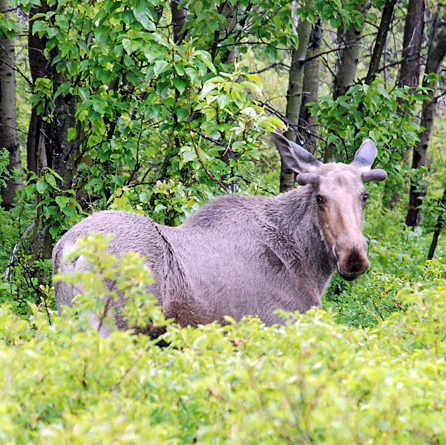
x=294 y=214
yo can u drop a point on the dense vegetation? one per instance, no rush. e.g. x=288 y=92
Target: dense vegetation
x=156 y=108
x=311 y=381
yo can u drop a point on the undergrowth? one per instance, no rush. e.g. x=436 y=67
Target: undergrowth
x=311 y=380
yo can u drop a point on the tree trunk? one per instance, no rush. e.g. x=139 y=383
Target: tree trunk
x=9 y=139
x=294 y=97
x=410 y=69
x=310 y=87
x=438 y=227
x=48 y=144
x=409 y=75
x=417 y=193
x=39 y=67
x=234 y=19
x=178 y=20
x=380 y=42
x=347 y=63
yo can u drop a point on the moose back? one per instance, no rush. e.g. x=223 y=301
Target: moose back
x=242 y=255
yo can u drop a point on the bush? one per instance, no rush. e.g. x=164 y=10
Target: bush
x=309 y=381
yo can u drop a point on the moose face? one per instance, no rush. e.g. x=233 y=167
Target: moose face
x=339 y=196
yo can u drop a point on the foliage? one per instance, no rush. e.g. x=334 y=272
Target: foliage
x=385 y=115
x=146 y=110
x=4 y=161
x=18 y=284
x=309 y=380
x=111 y=279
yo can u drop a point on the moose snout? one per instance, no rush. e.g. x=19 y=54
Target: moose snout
x=352 y=260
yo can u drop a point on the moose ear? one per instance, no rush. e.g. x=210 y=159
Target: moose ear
x=365 y=155
x=295 y=156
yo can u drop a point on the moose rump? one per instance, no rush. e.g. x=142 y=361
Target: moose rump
x=243 y=255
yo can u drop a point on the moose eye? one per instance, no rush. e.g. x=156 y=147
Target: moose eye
x=319 y=199
x=365 y=196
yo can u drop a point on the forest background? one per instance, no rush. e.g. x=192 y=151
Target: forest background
x=156 y=108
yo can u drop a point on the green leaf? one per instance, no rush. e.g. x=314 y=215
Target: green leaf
x=255 y=78
x=71 y=134
x=384 y=92
x=101 y=35
x=179 y=68
x=252 y=86
x=276 y=122
x=202 y=155
x=332 y=138
x=99 y=107
x=182 y=114
x=159 y=207
x=198 y=6
x=249 y=111
x=127 y=44
x=189 y=155
x=205 y=57
x=179 y=84
x=41 y=186
x=54 y=231
x=145 y=21
x=277 y=22
x=192 y=73
x=159 y=66
x=62 y=201
x=207 y=88
x=223 y=100
x=39 y=25
x=420 y=97
x=70 y=212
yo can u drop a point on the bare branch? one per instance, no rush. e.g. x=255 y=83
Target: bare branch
x=15 y=250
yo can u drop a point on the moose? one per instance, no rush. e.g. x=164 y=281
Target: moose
x=245 y=255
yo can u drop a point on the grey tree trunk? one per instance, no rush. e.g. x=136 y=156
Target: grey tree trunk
x=9 y=139
x=347 y=64
x=409 y=73
x=294 y=97
x=310 y=88
x=417 y=193
x=233 y=20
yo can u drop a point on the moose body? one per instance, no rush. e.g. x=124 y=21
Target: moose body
x=242 y=255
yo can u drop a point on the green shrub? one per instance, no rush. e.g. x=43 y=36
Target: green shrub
x=310 y=381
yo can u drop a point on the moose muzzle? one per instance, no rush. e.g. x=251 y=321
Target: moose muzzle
x=352 y=260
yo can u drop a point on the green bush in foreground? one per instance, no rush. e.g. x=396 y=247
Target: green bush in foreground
x=311 y=381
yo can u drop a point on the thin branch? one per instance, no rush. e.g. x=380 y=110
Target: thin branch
x=273 y=65
x=208 y=138
x=15 y=67
x=15 y=250
x=252 y=182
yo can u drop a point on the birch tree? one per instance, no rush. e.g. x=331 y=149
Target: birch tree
x=9 y=140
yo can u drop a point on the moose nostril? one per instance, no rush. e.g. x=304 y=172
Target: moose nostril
x=353 y=264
